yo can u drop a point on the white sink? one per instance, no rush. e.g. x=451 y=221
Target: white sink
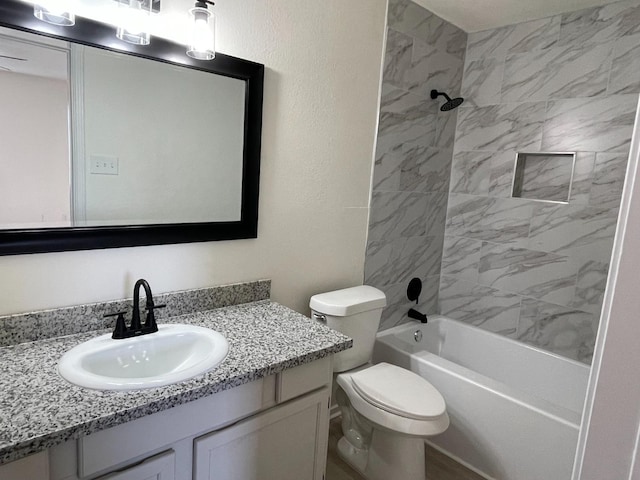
x=173 y=354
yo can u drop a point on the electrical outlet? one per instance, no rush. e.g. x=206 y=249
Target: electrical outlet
x=103 y=165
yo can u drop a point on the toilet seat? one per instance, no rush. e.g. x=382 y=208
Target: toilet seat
x=399 y=391
x=397 y=411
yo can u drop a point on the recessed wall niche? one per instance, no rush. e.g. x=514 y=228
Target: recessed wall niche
x=544 y=176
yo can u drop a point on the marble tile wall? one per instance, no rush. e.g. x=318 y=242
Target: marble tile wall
x=531 y=270
x=413 y=157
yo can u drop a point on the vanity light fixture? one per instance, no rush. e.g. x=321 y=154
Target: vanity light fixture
x=56 y=12
x=203 y=32
x=133 y=25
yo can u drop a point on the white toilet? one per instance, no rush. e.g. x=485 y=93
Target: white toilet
x=387 y=411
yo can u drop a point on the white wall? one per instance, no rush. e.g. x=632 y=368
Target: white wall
x=323 y=64
x=607 y=446
x=34 y=150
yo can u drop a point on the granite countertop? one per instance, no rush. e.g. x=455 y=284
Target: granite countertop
x=39 y=409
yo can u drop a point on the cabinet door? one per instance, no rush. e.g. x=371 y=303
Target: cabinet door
x=287 y=442
x=158 y=467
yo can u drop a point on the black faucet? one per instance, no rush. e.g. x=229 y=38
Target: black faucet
x=416 y=315
x=136 y=328
x=135 y=317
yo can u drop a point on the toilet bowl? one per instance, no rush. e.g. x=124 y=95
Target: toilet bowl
x=402 y=409
x=387 y=411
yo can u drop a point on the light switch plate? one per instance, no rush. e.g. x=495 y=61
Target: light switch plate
x=103 y=165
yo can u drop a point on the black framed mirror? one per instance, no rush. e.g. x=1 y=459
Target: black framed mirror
x=92 y=228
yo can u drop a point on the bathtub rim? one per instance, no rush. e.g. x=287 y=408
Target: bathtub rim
x=436 y=317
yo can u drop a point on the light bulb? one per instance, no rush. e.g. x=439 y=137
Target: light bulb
x=201 y=36
x=134 y=22
x=56 y=12
x=202 y=43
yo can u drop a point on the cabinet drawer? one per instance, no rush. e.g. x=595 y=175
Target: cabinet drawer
x=305 y=378
x=158 y=467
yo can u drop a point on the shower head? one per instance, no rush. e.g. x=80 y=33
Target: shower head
x=450 y=104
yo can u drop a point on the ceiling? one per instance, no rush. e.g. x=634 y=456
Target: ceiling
x=476 y=15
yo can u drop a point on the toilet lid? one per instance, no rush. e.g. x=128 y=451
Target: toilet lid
x=399 y=391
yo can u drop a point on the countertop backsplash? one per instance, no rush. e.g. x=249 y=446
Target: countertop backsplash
x=28 y=327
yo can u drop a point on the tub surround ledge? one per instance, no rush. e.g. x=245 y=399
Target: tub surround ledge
x=39 y=409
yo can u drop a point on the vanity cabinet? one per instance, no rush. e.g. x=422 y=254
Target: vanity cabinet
x=281 y=443
x=275 y=427
x=33 y=467
x=158 y=467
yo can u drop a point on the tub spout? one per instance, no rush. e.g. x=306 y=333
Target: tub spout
x=416 y=315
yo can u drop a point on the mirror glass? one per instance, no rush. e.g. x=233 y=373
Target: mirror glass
x=92 y=137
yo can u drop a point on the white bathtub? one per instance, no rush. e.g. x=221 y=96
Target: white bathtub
x=515 y=410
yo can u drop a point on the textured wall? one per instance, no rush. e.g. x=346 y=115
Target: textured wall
x=531 y=270
x=413 y=157
x=323 y=62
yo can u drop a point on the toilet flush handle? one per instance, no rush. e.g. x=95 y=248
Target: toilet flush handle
x=319 y=317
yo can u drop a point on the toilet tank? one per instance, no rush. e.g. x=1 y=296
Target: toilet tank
x=356 y=312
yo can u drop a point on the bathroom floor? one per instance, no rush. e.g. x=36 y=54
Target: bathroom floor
x=439 y=466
